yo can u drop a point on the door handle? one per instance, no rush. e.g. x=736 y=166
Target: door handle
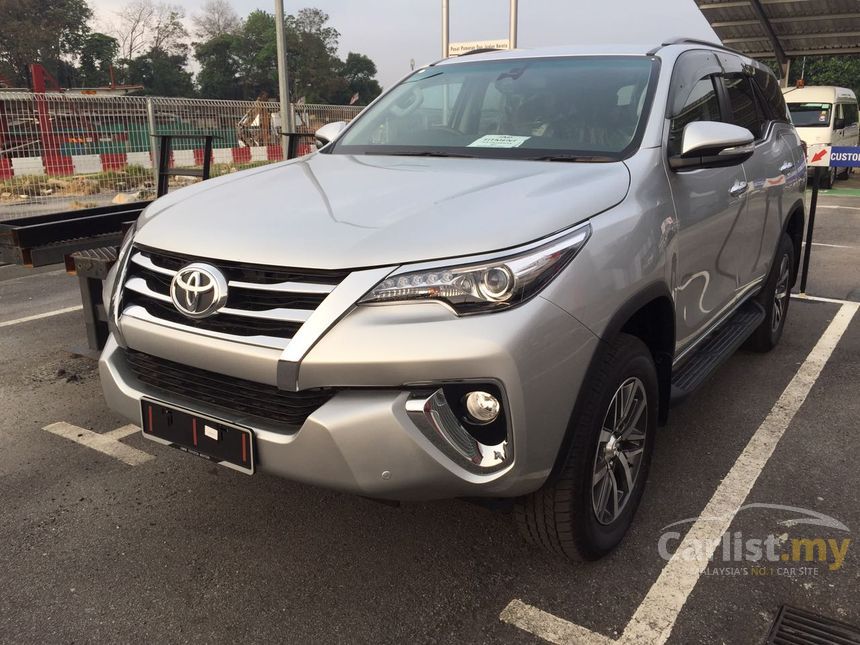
x=786 y=166
x=739 y=188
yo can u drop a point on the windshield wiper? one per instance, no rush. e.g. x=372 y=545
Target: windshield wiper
x=420 y=153
x=574 y=158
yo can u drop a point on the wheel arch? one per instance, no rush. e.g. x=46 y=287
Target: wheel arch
x=650 y=316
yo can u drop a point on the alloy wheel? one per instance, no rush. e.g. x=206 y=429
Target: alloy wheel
x=620 y=450
x=780 y=294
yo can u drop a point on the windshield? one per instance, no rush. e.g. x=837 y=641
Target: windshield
x=578 y=109
x=810 y=115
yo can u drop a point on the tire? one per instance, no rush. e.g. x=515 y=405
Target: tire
x=775 y=298
x=828 y=179
x=844 y=174
x=571 y=515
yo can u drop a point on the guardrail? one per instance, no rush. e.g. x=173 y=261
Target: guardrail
x=64 y=152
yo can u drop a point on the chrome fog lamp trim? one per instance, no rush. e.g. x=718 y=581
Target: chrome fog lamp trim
x=433 y=416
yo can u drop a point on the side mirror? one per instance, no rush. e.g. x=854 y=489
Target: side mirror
x=329 y=133
x=839 y=124
x=712 y=144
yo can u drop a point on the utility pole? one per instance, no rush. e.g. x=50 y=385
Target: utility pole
x=446 y=28
x=512 y=34
x=283 y=73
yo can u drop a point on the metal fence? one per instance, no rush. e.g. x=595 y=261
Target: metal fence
x=68 y=151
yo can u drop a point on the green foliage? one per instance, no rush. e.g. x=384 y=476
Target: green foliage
x=161 y=73
x=149 y=46
x=219 y=67
x=243 y=62
x=96 y=57
x=842 y=71
x=40 y=31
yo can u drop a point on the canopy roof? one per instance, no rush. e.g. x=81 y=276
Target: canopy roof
x=785 y=29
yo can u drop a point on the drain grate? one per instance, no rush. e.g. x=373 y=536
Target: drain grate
x=797 y=627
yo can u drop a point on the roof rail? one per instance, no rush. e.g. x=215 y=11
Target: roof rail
x=693 y=41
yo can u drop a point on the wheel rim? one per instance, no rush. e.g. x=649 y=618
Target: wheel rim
x=620 y=450
x=780 y=294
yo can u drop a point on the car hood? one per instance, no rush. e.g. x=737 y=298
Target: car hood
x=328 y=211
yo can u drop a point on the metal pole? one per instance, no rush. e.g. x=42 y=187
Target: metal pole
x=283 y=73
x=816 y=181
x=446 y=28
x=512 y=35
x=786 y=68
x=153 y=139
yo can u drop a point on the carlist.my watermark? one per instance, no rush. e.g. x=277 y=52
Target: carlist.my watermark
x=737 y=554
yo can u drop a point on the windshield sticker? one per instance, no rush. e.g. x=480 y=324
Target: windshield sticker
x=499 y=141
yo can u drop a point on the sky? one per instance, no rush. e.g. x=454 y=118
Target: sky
x=394 y=32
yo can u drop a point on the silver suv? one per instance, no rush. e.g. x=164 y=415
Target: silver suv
x=491 y=284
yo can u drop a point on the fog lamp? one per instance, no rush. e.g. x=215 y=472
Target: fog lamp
x=482 y=407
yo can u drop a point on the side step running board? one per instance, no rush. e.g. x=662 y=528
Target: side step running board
x=721 y=344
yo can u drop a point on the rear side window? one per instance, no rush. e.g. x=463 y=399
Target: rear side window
x=746 y=111
x=772 y=94
x=701 y=105
x=850 y=114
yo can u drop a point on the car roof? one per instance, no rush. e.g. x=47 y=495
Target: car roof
x=670 y=48
x=549 y=52
x=818 y=93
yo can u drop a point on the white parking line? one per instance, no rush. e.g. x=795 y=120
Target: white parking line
x=107 y=443
x=654 y=619
x=833 y=246
x=836 y=206
x=836 y=301
x=47 y=314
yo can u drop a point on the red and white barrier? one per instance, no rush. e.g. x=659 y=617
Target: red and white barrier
x=65 y=165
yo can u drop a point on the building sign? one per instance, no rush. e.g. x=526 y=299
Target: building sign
x=833 y=156
x=845 y=156
x=458 y=49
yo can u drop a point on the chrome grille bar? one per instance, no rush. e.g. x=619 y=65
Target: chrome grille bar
x=266 y=313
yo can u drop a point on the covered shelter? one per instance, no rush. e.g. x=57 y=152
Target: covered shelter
x=785 y=29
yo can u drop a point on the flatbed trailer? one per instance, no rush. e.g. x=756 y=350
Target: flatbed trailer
x=47 y=239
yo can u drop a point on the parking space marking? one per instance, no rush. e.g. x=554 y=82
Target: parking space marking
x=836 y=301
x=47 y=314
x=655 y=617
x=837 y=206
x=833 y=246
x=107 y=443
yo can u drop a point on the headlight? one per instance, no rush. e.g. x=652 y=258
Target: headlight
x=485 y=286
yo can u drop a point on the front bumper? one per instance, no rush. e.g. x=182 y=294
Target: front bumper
x=363 y=440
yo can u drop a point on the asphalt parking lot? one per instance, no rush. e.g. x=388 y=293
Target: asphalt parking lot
x=174 y=549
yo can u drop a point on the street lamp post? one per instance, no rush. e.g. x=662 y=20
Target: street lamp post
x=283 y=73
x=512 y=35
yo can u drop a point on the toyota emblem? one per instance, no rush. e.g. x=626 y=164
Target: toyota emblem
x=198 y=290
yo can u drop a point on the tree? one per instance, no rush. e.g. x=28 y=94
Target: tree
x=219 y=68
x=96 y=57
x=217 y=19
x=243 y=63
x=145 y=24
x=161 y=73
x=40 y=31
x=256 y=53
x=359 y=72
x=843 y=71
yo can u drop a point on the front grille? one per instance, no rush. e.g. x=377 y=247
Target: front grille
x=234 y=395
x=262 y=301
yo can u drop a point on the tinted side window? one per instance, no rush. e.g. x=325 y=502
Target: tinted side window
x=746 y=111
x=772 y=93
x=850 y=114
x=701 y=105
